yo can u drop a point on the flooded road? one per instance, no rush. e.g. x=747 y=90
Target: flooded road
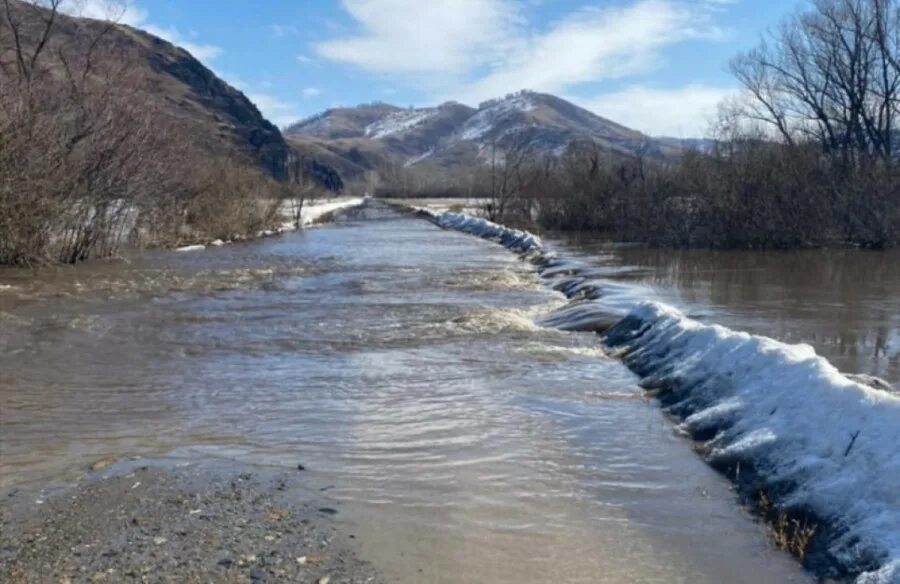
x=400 y=364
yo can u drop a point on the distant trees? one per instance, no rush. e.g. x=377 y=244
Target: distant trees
x=829 y=79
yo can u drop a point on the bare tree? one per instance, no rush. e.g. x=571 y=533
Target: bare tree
x=830 y=74
x=508 y=168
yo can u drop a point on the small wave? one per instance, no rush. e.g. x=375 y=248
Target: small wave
x=492 y=280
x=547 y=352
x=495 y=321
x=14 y=319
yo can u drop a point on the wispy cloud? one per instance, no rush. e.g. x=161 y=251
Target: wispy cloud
x=477 y=49
x=311 y=92
x=593 y=44
x=205 y=53
x=272 y=107
x=679 y=112
x=438 y=37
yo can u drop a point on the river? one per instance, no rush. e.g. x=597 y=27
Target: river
x=400 y=364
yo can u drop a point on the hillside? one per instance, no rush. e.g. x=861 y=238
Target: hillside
x=453 y=135
x=216 y=116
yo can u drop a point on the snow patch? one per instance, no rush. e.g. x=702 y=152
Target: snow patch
x=314 y=211
x=419 y=158
x=398 y=122
x=490 y=113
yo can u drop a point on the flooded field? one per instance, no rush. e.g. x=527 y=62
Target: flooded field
x=843 y=302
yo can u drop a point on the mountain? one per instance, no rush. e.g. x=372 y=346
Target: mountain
x=216 y=116
x=453 y=135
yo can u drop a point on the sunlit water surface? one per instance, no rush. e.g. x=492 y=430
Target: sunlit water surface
x=400 y=364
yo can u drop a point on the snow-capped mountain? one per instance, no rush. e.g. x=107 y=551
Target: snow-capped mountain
x=453 y=134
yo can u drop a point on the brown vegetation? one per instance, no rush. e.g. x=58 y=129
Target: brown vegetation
x=88 y=162
x=789 y=533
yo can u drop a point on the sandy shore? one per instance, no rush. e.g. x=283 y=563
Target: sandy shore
x=202 y=522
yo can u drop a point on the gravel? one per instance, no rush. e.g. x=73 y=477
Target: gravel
x=205 y=522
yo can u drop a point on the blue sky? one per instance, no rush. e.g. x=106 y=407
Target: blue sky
x=659 y=66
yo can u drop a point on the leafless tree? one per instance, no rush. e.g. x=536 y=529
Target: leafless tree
x=509 y=165
x=301 y=188
x=830 y=74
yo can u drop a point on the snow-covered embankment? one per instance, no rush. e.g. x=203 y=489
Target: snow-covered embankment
x=820 y=450
x=310 y=214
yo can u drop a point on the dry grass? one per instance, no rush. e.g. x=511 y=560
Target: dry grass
x=789 y=533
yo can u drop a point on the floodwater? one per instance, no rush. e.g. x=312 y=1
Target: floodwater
x=400 y=364
x=843 y=302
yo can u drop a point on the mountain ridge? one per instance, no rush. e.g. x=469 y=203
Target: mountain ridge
x=452 y=134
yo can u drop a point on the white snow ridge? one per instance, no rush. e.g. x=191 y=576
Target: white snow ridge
x=777 y=419
x=818 y=444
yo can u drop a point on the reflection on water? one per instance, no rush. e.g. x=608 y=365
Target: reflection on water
x=399 y=363
x=844 y=302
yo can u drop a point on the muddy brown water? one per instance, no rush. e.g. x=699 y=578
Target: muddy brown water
x=400 y=364
x=844 y=302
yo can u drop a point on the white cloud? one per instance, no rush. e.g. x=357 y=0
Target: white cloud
x=591 y=45
x=199 y=51
x=311 y=92
x=682 y=112
x=425 y=38
x=471 y=50
x=128 y=12
x=304 y=59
